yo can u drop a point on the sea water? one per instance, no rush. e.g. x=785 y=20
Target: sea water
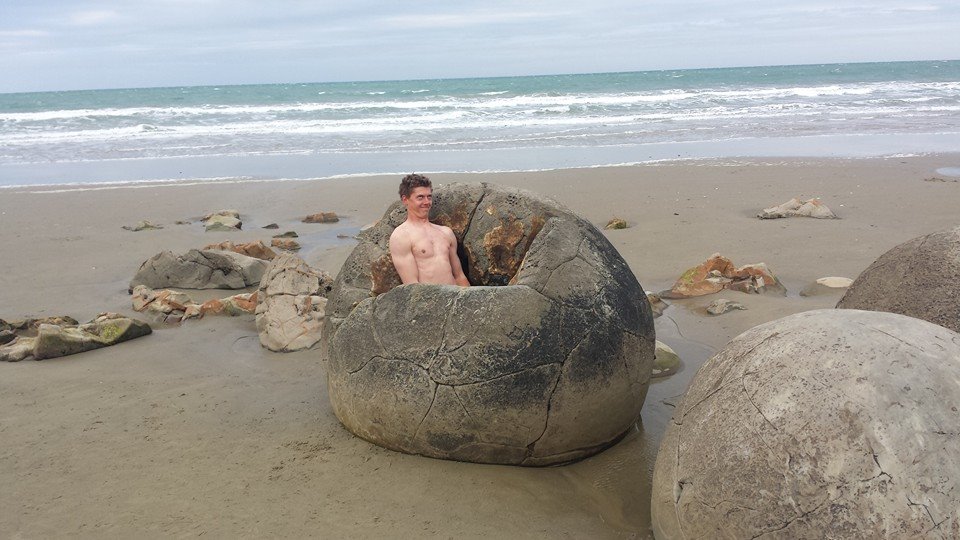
x=311 y=130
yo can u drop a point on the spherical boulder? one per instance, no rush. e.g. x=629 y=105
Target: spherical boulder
x=545 y=359
x=919 y=278
x=828 y=422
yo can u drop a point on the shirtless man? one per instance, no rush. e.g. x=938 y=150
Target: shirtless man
x=424 y=252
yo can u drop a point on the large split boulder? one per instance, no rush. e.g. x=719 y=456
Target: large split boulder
x=919 y=278
x=292 y=302
x=826 y=423
x=196 y=269
x=545 y=359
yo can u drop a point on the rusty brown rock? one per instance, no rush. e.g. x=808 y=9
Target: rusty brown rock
x=718 y=273
x=322 y=217
x=255 y=249
x=287 y=244
x=384 y=275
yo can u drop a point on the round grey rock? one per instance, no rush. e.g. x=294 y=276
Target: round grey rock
x=919 y=278
x=546 y=359
x=828 y=422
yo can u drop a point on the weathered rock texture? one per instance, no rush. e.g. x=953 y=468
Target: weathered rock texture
x=322 y=217
x=796 y=208
x=919 y=278
x=173 y=306
x=207 y=269
x=286 y=244
x=718 y=273
x=141 y=226
x=551 y=368
x=293 y=298
x=256 y=249
x=722 y=305
x=828 y=423
x=52 y=340
x=224 y=220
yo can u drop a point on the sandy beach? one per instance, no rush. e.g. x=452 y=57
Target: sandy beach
x=197 y=430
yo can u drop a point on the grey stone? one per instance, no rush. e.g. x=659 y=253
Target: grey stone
x=839 y=423
x=546 y=359
x=666 y=362
x=919 y=278
x=722 y=305
x=206 y=269
x=53 y=340
x=292 y=304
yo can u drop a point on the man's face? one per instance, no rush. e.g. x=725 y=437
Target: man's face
x=419 y=202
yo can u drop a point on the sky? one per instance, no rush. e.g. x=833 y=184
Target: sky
x=64 y=45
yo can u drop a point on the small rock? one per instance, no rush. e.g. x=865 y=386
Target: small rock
x=6 y=336
x=288 y=234
x=795 y=207
x=141 y=226
x=286 y=244
x=826 y=285
x=181 y=222
x=224 y=220
x=657 y=305
x=665 y=361
x=271 y=226
x=722 y=305
x=616 y=223
x=322 y=217
x=256 y=249
x=718 y=273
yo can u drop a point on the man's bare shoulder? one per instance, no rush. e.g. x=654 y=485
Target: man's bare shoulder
x=446 y=231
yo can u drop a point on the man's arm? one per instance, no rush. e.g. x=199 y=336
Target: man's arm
x=401 y=251
x=458 y=275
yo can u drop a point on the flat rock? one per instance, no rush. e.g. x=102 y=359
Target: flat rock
x=722 y=305
x=173 y=306
x=829 y=423
x=196 y=269
x=813 y=208
x=919 y=278
x=827 y=285
x=287 y=244
x=53 y=341
x=141 y=226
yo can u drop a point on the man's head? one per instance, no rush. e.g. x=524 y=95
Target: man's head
x=416 y=194
x=411 y=181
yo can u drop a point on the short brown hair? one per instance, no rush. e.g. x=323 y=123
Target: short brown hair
x=412 y=181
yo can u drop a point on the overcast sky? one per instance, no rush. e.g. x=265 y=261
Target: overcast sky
x=61 y=44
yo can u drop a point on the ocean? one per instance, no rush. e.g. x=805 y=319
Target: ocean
x=316 y=130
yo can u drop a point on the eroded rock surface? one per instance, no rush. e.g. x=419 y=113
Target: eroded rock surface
x=53 y=340
x=257 y=249
x=292 y=303
x=207 y=269
x=718 y=273
x=836 y=422
x=919 y=278
x=796 y=208
x=173 y=306
x=546 y=359
x=224 y=220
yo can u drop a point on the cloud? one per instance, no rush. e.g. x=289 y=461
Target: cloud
x=93 y=17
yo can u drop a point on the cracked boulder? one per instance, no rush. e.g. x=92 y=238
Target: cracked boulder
x=196 y=269
x=839 y=422
x=545 y=359
x=919 y=278
x=292 y=302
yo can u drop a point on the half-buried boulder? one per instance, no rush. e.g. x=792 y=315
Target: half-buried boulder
x=546 y=359
x=919 y=278
x=207 y=269
x=825 y=423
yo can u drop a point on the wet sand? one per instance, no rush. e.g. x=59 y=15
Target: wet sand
x=197 y=430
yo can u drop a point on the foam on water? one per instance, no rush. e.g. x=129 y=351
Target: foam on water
x=492 y=115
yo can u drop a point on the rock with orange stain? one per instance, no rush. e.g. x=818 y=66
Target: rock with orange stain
x=718 y=273
x=256 y=249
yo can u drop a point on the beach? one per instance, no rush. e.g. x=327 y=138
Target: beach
x=198 y=430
